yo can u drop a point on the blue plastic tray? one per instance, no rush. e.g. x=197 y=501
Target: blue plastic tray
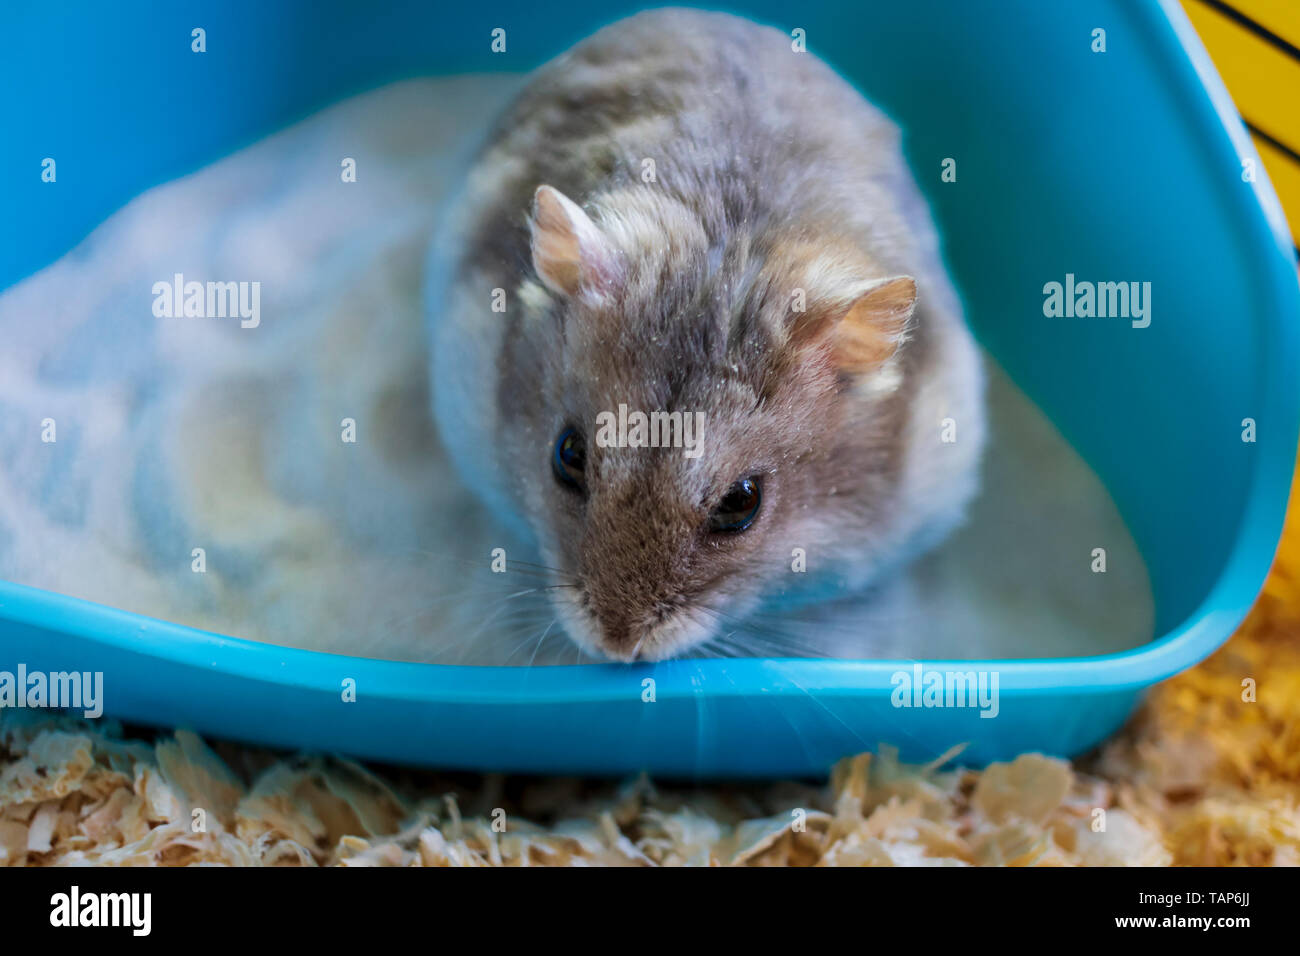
x=1122 y=165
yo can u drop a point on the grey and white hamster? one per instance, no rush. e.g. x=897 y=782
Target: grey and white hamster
x=685 y=214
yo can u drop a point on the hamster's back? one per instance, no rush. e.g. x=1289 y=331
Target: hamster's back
x=716 y=111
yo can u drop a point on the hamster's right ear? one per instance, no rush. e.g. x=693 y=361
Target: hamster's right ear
x=569 y=250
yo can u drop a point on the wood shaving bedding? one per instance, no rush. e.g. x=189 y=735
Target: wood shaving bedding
x=1202 y=775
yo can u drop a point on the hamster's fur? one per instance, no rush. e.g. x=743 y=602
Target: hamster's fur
x=683 y=213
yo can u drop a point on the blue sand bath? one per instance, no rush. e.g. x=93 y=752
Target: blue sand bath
x=1073 y=166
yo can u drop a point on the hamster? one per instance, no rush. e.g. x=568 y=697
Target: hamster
x=684 y=214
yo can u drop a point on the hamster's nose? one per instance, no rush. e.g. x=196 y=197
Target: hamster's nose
x=617 y=639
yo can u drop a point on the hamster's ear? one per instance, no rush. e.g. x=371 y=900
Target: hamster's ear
x=569 y=250
x=874 y=326
x=863 y=326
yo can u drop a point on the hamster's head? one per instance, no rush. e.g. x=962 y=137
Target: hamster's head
x=691 y=416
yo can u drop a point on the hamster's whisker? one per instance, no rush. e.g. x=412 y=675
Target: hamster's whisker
x=765 y=637
x=542 y=640
x=433 y=606
x=492 y=617
x=866 y=745
x=513 y=565
x=781 y=712
x=531 y=637
x=537 y=590
x=539 y=567
x=501 y=624
x=508 y=633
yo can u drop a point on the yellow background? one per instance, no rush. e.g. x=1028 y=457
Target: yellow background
x=1264 y=80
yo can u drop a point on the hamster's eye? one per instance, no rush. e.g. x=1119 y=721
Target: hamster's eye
x=569 y=459
x=738 y=507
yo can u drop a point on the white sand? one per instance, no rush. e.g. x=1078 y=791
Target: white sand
x=183 y=433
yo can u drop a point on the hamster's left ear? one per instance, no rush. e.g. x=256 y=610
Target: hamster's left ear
x=569 y=250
